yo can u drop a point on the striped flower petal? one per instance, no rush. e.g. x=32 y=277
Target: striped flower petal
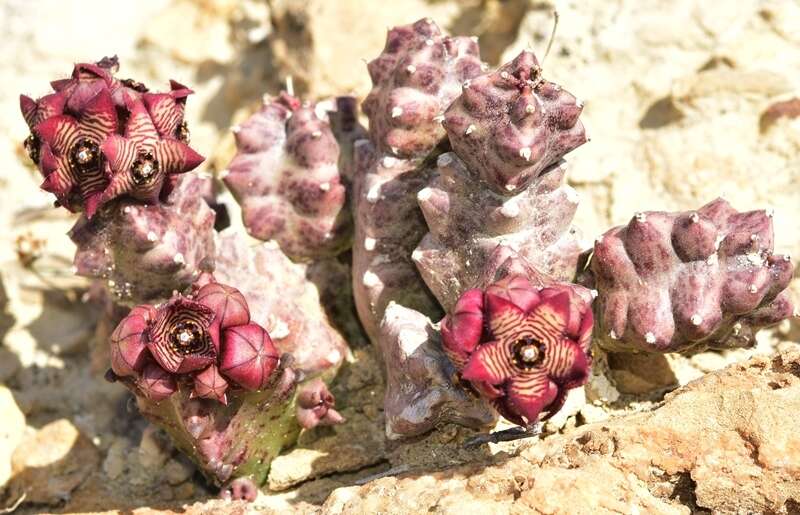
x=167 y=109
x=551 y=316
x=504 y=317
x=566 y=363
x=530 y=393
x=180 y=339
x=36 y=111
x=490 y=363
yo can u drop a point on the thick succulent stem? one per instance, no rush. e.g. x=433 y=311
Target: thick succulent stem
x=287 y=179
x=496 y=202
x=238 y=440
x=416 y=77
x=145 y=252
x=676 y=282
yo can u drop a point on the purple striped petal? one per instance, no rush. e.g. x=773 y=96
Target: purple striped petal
x=490 y=363
x=530 y=393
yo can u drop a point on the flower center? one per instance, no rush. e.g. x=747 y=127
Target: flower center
x=145 y=169
x=187 y=337
x=31 y=144
x=528 y=352
x=182 y=132
x=84 y=155
x=134 y=85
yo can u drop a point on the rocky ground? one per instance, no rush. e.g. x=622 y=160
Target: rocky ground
x=678 y=99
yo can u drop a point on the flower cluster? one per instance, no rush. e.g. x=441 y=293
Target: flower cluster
x=519 y=346
x=205 y=342
x=97 y=138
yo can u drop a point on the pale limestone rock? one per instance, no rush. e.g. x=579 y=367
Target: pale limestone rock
x=725 y=443
x=11 y=431
x=52 y=463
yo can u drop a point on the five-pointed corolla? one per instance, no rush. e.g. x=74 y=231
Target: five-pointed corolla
x=96 y=138
x=142 y=161
x=521 y=347
x=205 y=342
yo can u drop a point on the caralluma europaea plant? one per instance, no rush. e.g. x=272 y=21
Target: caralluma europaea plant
x=449 y=217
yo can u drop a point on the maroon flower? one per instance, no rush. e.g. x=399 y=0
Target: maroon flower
x=209 y=384
x=315 y=406
x=521 y=347
x=182 y=338
x=128 y=351
x=70 y=155
x=204 y=342
x=156 y=383
x=142 y=161
x=248 y=356
x=70 y=128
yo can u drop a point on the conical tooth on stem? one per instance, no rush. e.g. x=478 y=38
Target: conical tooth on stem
x=510 y=209
x=525 y=153
x=370 y=280
x=470 y=129
x=397 y=111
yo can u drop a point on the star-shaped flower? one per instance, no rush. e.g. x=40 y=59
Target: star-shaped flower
x=205 y=342
x=142 y=161
x=182 y=338
x=520 y=347
x=70 y=154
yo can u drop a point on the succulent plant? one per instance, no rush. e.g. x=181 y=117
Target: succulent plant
x=486 y=212
x=416 y=77
x=286 y=177
x=98 y=137
x=467 y=222
x=211 y=377
x=674 y=282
